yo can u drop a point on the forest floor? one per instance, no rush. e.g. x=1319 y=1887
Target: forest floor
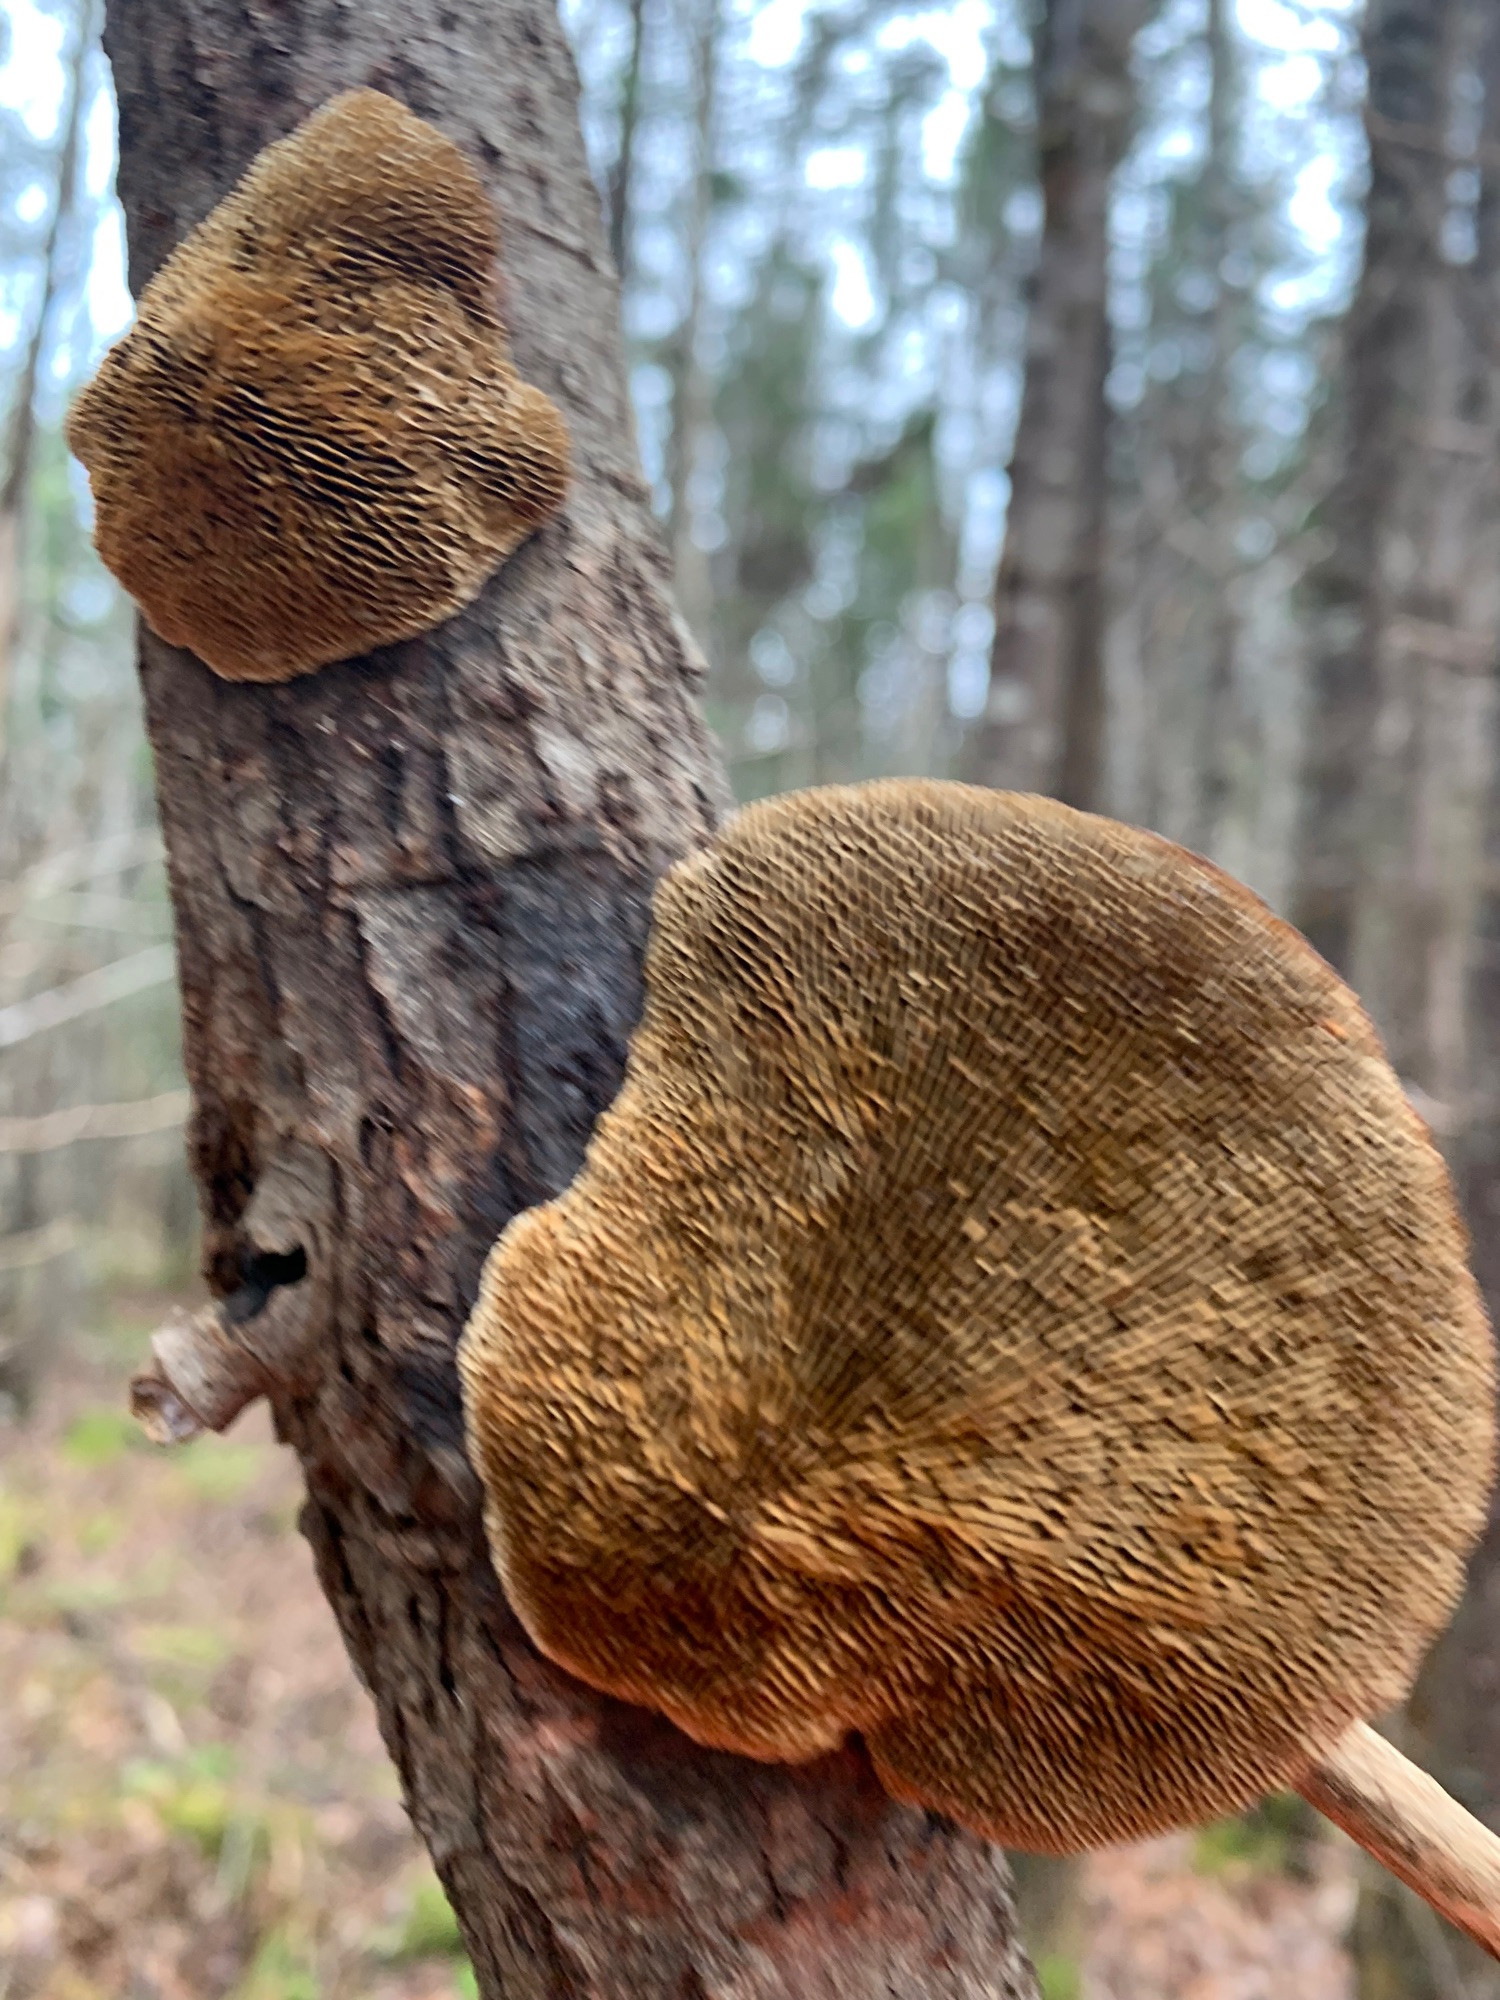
x=195 y=1804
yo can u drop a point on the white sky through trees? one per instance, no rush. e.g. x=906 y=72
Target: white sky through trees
x=1292 y=43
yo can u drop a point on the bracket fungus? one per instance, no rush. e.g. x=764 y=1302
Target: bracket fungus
x=1012 y=1312
x=313 y=441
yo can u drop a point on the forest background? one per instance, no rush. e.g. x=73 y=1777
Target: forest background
x=1100 y=398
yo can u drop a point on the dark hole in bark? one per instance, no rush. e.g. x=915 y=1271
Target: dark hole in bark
x=260 y=1273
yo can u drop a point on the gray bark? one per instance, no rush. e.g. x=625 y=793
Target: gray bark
x=1391 y=411
x=411 y=893
x=1431 y=628
x=692 y=389
x=1480 y=1161
x=1453 y=1714
x=1402 y=740
x=622 y=175
x=1042 y=728
x=1211 y=483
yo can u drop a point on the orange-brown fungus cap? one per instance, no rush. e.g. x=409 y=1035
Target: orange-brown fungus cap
x=1010 y=1310
x=313 y=441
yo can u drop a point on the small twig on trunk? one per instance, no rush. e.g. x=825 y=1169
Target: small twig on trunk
x=207 y=1366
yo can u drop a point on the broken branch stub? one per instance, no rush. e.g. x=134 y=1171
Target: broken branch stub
x=259 y=1339
x=200 y=1378
x=313 y=441
x=209 y=1365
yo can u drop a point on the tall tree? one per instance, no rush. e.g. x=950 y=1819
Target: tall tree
x=1480 y=1144
x=1431 y=638
x=411 y=893
x=1453 y=1711
x=1210 y=488
x=692 y=390
x=1402 y=741
x=622 y=174
x=1043 y=723
x=1397 y=391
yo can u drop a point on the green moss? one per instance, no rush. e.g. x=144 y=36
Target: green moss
x=99 y=1437
x=202 y=1810
x=426 y=1929
x=202 y=1646
x=190 y=1797
x=279 y=1971
x=98 y=1533
x=430 y=1929
x=216 y=1471
x=1058 y=1977
x=212 y=1760
x=19 y=1521
x=1268 y=1839
x=85 y=1596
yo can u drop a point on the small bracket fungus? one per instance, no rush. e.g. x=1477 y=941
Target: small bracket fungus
x=313 y=441
x=1010 y=1311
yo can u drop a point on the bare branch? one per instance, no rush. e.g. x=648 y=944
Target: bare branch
x=118 y=981
x=50 y=1130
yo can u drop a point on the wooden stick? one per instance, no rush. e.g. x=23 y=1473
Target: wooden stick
x=1411 y=1826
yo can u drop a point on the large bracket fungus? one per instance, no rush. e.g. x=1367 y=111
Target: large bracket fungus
x=1011 y=1311
x=313 y=441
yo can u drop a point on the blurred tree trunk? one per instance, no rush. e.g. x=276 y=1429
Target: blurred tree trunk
x=411 y=895
x=1401 y=773
x=1211 y=484
x=622 y=174
x=1480 y=1149
x=1182 y=495
x=1042 y=726
x=1430 y=634
x=1454 y=1713
x=692 y=388
x=1396 y=392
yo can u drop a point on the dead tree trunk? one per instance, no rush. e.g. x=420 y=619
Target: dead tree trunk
x=1042 y=727
x=411 y=893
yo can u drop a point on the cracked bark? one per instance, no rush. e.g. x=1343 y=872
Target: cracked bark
x=411 y=893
